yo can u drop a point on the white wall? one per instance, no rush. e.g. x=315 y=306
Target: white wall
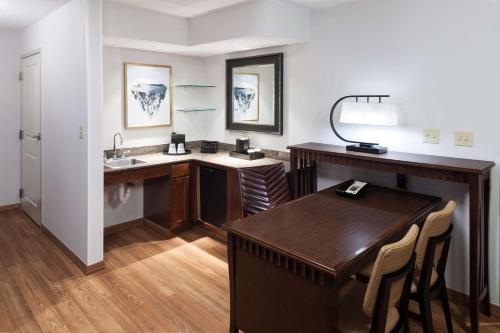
x=185 y=70
x=439 y=60
x=127 y=22
x=94 y=108
x=10 y=117
x=279 y=19
x=69 y=62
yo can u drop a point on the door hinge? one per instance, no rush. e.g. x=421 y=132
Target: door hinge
x=21 y=134
x=21 y=193
x=21 y=76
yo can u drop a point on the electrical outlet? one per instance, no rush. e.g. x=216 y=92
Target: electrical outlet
x=431 y=135
x=81 y=132
x=464 y=138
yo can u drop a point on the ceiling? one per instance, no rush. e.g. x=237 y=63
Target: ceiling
x=320 y=4
x=18 y=14
x=202 y=50
x=184 y=8
x=191 y=8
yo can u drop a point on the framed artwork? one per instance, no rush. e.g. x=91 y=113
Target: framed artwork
x=245 y=97
x=254 y=94
x=148 y=97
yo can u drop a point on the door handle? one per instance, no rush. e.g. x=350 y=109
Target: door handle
x=37 y=137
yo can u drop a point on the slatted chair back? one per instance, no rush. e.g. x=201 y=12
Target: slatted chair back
x=263 y=188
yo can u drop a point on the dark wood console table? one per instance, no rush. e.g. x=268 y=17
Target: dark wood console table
x=475 y=173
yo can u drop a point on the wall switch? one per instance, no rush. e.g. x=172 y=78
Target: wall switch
x=81 y=132
x=464 y=138
x=431 y=135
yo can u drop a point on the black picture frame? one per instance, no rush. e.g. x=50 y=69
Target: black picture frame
x=275 y=59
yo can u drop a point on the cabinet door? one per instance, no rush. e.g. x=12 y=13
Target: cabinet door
x=213 y=196
x=179 y=194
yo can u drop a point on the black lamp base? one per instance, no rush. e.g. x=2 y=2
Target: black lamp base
x=370 y=149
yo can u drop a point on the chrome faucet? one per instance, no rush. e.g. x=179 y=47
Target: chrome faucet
x=115 y=156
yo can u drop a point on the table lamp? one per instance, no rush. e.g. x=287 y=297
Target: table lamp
x=365 y=113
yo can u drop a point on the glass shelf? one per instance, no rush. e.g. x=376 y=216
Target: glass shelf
x=194 y=86
x=196 y=110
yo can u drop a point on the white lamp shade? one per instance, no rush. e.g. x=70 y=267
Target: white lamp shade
x=384 y=114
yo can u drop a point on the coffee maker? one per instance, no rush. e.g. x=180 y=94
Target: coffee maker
x=177 y=145
x=178 y=138
x=242 y=145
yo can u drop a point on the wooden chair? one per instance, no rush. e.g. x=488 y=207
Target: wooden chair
x=263 y=188
x=383 y=307
x=432 y=254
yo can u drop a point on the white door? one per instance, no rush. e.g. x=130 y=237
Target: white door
x=31 y=194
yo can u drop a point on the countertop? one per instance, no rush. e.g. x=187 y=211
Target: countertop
x=221 y=158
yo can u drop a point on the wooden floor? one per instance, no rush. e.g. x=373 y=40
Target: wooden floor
x=151 y=284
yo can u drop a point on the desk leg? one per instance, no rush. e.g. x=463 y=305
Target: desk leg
x=232 y=302
x=314 y=176
x=479 y=188
x=485 y=303
x=295 y=178
x=336 y=308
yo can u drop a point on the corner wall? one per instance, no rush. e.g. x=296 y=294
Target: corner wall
x=185 y=70
x=10 y=117
x=69 y=60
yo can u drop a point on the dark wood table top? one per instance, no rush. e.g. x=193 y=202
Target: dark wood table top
x=426 y=161
x=329 y=231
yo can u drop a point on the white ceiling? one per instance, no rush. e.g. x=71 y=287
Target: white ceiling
x=320 y=4
x=202 y=50
x=18 y=14
x=191 y=8
x=184 y=8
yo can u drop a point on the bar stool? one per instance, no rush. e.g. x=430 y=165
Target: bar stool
x=383 y=307
x=432 y=254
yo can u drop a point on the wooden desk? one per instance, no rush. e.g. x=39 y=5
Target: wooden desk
x=286 y=265
x=475 y=173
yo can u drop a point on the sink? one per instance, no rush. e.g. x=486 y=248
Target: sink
x=122 y=163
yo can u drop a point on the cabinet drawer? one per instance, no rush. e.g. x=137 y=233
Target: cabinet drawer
x=180 y=170
x=133 y=175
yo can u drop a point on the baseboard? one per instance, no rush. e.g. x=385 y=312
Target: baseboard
x=164 y=231
x=123 y=226
x=460 y=298
x=87 y=270
x=94 y=268
x=158 y=228
x=9 y=207
x=213 y=231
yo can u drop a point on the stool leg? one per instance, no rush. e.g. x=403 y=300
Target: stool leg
x=443 y=297
x=426 y=314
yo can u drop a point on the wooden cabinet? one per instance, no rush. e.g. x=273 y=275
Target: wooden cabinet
x=173 y=193
x=167 y=199
x=179 y=201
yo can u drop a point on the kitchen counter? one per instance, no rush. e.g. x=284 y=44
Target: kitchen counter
x=222 y=158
